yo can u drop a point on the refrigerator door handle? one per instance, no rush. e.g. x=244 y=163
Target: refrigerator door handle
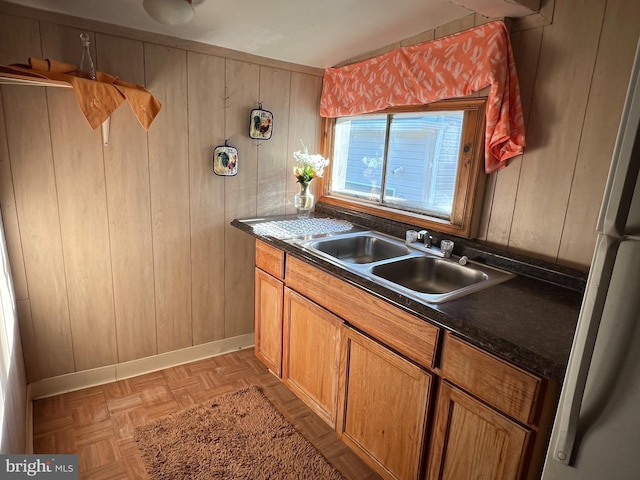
x=568 y=414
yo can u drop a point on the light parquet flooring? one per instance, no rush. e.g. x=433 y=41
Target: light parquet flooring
x=97 y=423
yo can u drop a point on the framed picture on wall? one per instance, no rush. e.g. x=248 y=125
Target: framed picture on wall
x=261 y=124
x=225 y=160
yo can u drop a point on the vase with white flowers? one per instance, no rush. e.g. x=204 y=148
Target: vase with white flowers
x=309 y=167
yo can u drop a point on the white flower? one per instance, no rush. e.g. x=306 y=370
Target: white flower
x=311 y=165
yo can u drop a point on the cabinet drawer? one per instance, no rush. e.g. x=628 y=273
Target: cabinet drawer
x=270 y=259
x=504 y=386
x=403 y=332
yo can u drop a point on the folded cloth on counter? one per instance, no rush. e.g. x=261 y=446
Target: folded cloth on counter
x=99 y=98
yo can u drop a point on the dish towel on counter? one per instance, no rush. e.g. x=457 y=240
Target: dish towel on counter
x=453 y=66
x=98 y=98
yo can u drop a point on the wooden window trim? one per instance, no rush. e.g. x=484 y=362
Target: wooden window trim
x=469 y=188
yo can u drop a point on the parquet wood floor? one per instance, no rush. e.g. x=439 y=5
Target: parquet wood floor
x=97 y=423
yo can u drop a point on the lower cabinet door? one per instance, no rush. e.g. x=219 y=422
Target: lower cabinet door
x=311 y=338
x=268 y=320
x=473 y=441
x=384 y=406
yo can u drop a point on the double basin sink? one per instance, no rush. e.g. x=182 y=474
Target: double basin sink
x=420 y=273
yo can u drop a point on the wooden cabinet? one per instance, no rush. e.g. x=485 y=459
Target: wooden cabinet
x=311 y=356
x=369 y=368
x=392 y=326
x=500 y=384
x=473 y=441
x=269 y=296
x=487 y=418
x=384 y=406
x=268 y=320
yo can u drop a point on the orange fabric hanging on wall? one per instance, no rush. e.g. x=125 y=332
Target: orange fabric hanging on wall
x=449 y=67
x=97 y=99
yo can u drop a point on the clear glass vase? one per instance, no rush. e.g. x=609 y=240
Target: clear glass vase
x=86 y=67
x=303 y=201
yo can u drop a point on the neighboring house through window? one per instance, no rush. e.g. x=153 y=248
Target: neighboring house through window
x=420 y=164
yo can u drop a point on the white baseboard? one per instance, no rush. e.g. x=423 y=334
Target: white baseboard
x=110 y=373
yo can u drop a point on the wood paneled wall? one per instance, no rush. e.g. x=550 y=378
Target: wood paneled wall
x=573 y=77
x=125 y=251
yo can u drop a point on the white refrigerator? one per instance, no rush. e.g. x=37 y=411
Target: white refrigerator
x=596 y=433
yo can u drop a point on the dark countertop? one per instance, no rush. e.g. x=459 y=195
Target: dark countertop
x=526 y=320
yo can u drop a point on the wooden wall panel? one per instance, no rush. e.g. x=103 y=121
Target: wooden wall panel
x=153 y=260
x=20 y=39
x=10 y=216
x=455 y=26
x=37 y=206
x=275 y=89
x=126 y=171
x=304 y=125
x=242 y=80
x=166 y=77
x=79 y=170
x=566 y=60
x=617 y=46
x=29 y=346
x=206 y=131
x=502 y=186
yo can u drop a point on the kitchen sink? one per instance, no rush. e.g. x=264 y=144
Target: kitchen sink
x=361 y=248
x=416 y=272
x=434 y=279
x=429 y=274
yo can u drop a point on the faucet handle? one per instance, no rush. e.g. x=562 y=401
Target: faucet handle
x=411 y=236
x=446 y=247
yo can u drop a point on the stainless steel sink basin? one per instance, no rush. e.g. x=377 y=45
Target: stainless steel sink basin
x=429 y=274
x=417 y=273
x=436 y=280
x=361 y=248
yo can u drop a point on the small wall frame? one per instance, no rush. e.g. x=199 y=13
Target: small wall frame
x=261 y=124
x=225 y=160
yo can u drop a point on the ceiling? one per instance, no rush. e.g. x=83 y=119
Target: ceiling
x=317 y=33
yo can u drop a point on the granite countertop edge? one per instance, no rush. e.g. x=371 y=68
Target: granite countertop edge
x=495 y=320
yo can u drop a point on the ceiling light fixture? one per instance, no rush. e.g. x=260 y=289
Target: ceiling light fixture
x=170 y=12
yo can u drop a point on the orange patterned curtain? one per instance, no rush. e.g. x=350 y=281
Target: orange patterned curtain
x=453 y=66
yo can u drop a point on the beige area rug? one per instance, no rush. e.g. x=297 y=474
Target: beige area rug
x=236 y=436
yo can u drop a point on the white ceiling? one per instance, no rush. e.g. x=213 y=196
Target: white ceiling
x=318 y=33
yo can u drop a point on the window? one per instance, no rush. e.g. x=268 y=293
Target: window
x=421 y=166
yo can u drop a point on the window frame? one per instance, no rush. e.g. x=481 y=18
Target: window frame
x=469 y=188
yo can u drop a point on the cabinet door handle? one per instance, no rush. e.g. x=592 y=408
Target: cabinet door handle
x=567 y=417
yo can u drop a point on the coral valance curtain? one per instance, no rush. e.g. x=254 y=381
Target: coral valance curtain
x=453 y=66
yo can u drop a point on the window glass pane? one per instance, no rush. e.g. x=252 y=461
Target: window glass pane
x=414 y=158
x=359 y=144
x=423 y=161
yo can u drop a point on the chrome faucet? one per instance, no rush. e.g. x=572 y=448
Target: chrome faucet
x=426 y=238
x=423 y=241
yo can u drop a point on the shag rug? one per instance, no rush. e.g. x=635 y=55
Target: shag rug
x=236 y=436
